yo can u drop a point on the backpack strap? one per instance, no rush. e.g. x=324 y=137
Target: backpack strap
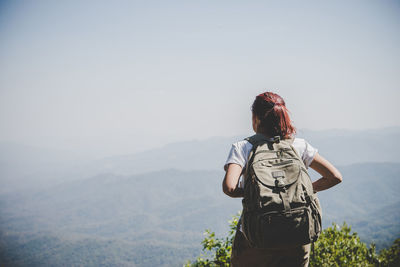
x=285 y=199
x=256 y=140
x=260 y=138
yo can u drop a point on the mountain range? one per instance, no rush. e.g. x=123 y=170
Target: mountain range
x=151 y=208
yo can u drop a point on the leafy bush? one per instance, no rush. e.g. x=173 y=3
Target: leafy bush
x=337 y=246
x=217 y=250
x=390 y=257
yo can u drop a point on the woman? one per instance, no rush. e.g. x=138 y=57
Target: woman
x=270 y=118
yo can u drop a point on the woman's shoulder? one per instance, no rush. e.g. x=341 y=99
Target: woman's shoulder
x=305 y=150
x=242 y=145
x=239 y=153
x=299 y=141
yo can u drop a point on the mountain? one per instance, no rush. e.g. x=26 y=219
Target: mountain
x=151 y=208
x=344 y=147
x=157 y=218
x=164 y=211
x=368 y=200
x=23 y=166
x=341 y=147
x=29 y=167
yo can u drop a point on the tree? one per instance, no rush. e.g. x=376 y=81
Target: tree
x=336 y=246
x=217 y=250
x=391 y=257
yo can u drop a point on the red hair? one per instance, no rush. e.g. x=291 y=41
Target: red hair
x=274 y=118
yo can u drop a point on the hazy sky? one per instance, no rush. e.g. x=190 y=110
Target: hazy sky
x=121 y=76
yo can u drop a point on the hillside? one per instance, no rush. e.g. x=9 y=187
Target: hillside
x=341 y=147
x=24 y=167
x=57 y=208
x=157 y=218
x=162 y=211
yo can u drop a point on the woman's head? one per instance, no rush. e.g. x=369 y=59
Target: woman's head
x=271 y=117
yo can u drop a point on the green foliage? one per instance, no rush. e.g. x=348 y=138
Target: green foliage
x=217 y=250
x=391 y=257
x=337 y=246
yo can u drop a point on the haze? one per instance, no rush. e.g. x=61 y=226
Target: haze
x=120 y=77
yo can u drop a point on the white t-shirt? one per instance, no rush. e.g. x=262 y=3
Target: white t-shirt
x=240 y=152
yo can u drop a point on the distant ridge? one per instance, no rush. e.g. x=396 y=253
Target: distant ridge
x=341 y=147
x=93 y=220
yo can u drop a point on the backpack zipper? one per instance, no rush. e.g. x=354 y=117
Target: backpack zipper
x=283 y=163
x=265 y=151
x=287 y=159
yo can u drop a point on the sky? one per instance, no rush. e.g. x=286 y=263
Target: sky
x=117 y=77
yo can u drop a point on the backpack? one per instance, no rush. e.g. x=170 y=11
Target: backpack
x=279 y=206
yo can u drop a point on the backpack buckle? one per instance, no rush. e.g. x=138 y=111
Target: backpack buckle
x=276 y=139
x=279 y=175
x=279 y=182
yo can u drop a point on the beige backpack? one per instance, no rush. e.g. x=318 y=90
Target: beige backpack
x=279 y=206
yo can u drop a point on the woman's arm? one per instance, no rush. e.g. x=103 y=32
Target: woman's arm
x=330 y=175
x=231 y=181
